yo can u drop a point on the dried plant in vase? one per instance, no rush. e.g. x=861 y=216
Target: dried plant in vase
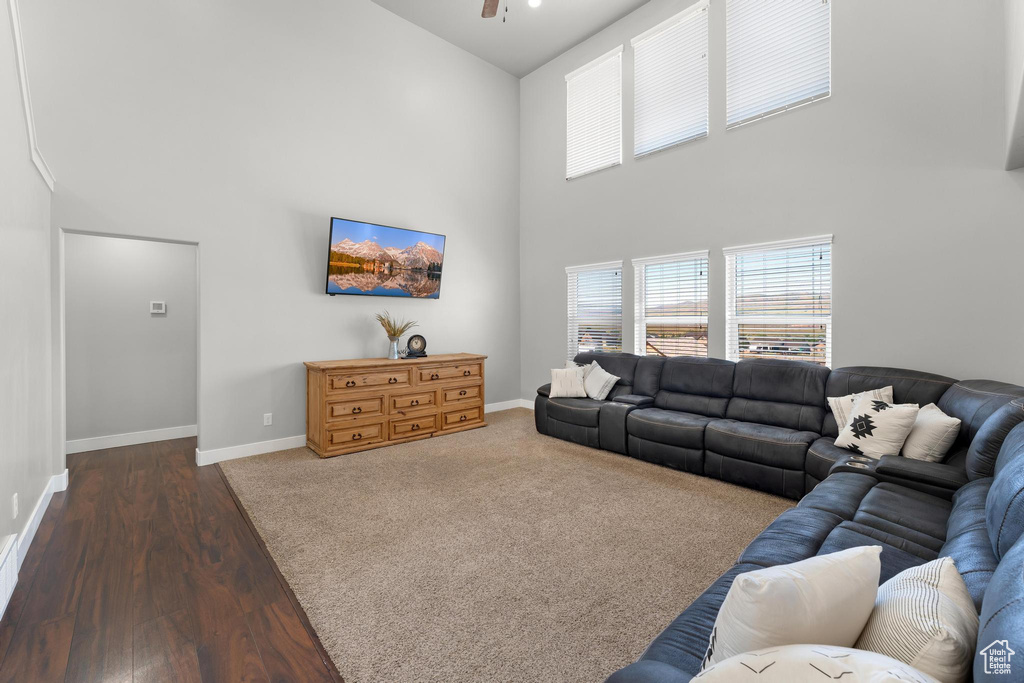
x=395 y=330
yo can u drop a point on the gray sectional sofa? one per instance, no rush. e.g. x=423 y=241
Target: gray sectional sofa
x=766 y=424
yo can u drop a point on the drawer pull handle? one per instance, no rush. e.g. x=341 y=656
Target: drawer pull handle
x=357 y=410
x=415 y=427
x=392 y=380
x=434 y=375
x=350 y=383
x=463 y=418
x=466 y=373
x=356 y=437
x=415 y=402
x=462 y=393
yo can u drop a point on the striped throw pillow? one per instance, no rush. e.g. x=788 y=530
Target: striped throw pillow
x=924 y=617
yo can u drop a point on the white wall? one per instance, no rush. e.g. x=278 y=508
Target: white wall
x=27 y=458
x=127 y=370
x=904 y=164
x=1015 y=83
x=244 y=125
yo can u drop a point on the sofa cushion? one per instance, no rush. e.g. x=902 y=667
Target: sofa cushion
x=795 y=535
x=781 y=393
x=764 y=444
x=916 y=516
x=908 y=386
x=647 y=378
x=668 y=426
x=696 y=385
x=1004 y=507
x=897 y=553
x=684 y=642
x=967 y=541
x=622 y=365
x=840 y=494
x=984 y=449
x=822 y=455
x=1002 y=618
x=577 y=411
x=974 y=401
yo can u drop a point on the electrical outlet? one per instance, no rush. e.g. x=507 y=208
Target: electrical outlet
x=268 y=419
x=14 y=506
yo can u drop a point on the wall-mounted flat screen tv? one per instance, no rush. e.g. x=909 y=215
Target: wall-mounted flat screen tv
x=376 y=260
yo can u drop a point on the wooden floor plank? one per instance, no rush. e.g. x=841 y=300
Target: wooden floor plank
x=39 y=653
x=165 y=650
x=147 y=569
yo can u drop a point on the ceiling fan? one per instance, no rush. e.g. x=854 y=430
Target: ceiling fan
x=490 y=8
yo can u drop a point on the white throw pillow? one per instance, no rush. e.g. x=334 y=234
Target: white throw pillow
x=924 y=616
x=842 y=406
x=801 y=663
x=877 y=428
x=567 y=383
x=825 y=599
x=597 y=382
x=933 y=433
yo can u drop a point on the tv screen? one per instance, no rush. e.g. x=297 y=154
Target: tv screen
x=375 y=260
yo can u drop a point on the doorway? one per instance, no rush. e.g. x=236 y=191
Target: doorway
x=130 y=328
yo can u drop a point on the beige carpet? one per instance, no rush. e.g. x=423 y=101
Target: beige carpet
x=496 y=554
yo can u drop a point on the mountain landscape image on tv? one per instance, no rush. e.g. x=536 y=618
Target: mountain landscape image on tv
x=377 y=260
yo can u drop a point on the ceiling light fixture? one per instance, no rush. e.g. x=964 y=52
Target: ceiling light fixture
x=534 y=3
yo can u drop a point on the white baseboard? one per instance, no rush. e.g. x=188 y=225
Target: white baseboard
x=508 y=405
x=58 y=482
x=132 y=438
x=8 y=570
x=215 y=455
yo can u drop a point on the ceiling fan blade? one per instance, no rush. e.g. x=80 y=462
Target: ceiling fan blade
x=490 y=8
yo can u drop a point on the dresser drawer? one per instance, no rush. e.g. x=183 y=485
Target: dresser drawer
x=355 y=408
x=455 y=418
x=356 y=434
x=409 y=402
x=461 y=394
x=449 y=372
x=413 y=426
x=375 y=379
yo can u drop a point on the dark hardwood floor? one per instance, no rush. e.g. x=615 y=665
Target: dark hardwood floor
x=147 y=569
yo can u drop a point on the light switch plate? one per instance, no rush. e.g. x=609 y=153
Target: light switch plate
x=157 y=308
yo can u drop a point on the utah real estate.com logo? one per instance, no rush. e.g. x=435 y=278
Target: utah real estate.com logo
x=996 y=656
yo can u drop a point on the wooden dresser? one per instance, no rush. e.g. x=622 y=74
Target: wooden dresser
x=355 y=405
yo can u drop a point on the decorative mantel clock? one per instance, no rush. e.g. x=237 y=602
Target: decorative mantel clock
x=417 y=347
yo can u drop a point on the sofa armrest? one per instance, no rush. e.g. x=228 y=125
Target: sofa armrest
x=931 y=473
x=545 y=390
x=635 y=400
x=649 y=671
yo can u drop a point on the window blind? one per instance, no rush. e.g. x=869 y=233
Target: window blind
x=671 y=82
x=671 y=305
x=595 y=307
x=778 y=56
x=779 y=300
x=593 y=133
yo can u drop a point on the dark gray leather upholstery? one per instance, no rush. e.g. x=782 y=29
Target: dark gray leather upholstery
x=635 y=400
x=974 y=401
x=696 y=385
x=908 y=386
x=668 y=438
x=980 y=529
x=577 y=411
x=612 y=425
x=982 y=453
x=759 y=456
x=780 y=393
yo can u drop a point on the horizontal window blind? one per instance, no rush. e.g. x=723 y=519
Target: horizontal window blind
x=671 y=82
x=671 y=305
x=595 y=307
x=594 y=116
x=778 y=56
x=779 y=300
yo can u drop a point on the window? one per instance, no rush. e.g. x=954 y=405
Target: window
x=671 y=305
x=779 y=300
x=593 y=134
x=595 y=307
x=778 y=56
x=671 y=67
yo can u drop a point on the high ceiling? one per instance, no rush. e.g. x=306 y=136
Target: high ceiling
x=528 y=38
